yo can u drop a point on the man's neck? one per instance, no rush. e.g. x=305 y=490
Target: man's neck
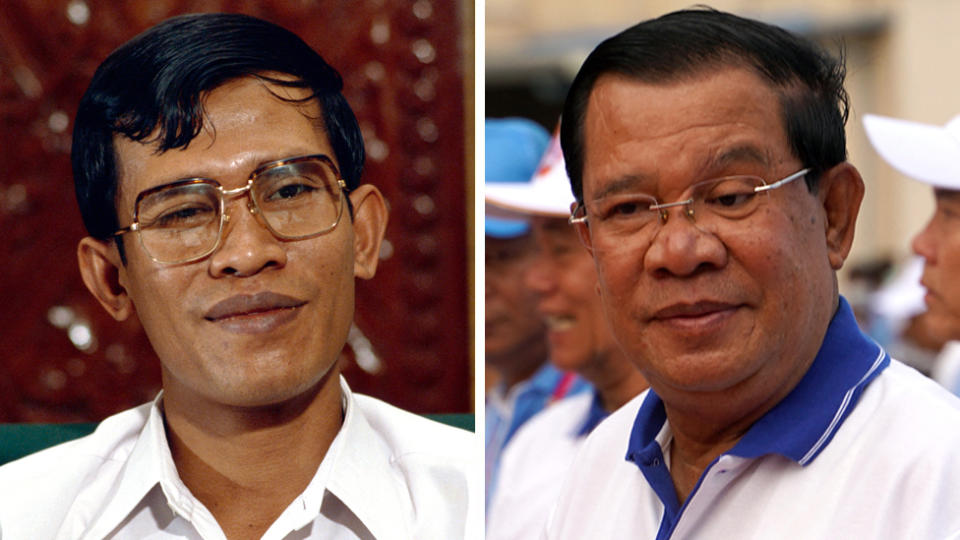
x=616 y=379
x=519 y=363
x=705 y=426
x=246 y=465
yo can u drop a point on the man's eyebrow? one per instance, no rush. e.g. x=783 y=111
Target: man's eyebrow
x=254 y=163
x=946 y=193
x=625 y=183
x=736 y=154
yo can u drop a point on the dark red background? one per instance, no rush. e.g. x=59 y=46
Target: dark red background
x=403 y=65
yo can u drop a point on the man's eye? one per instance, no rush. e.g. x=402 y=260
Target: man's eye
x=183 y=217
x=627 y=208
x=731 y=200
x=291 y=191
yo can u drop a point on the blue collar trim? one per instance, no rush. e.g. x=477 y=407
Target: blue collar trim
x=546 y=379
x=595 y=415
x=803 y=423
x=799 y=427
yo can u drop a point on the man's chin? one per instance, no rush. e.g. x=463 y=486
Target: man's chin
x=943 y=327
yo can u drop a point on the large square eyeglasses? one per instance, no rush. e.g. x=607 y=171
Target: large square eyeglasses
x=294 y=198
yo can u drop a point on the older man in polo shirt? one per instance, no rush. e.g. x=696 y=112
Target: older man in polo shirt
x=707 y=154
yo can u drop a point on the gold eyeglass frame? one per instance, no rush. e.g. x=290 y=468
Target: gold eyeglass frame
x=229 y=194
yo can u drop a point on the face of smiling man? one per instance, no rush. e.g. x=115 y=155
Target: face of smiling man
x=735 y=312
x=562 y=276
x=261 y=320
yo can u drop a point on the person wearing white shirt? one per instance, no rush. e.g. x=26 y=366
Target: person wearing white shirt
x=561 y=275
x=217 y=167
x=515 y=348
x=707 y=154
x=931 y=154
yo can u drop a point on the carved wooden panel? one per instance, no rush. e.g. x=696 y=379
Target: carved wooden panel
x=62 y=358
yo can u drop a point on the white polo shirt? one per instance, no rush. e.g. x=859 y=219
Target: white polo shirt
x=863 y=448
x=388 y=474
x=534 y=465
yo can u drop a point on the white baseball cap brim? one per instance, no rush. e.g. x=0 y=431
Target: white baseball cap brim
x=924 y=152
x=547 y=194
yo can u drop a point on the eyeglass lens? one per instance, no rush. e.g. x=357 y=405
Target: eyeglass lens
x=729 y=198
x=184 y=221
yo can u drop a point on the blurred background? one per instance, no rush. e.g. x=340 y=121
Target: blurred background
x=900 y=62
x=408 y=72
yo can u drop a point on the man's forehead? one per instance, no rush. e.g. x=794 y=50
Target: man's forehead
x=517 y=244
x=244 y=104
x=947 y=195
x=554 y=227
x=708 y=121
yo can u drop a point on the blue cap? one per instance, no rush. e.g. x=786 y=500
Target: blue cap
x=514 y=147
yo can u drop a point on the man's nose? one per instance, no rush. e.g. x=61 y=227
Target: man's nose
x=681 y=246
x=925 y=244
x=246 y=246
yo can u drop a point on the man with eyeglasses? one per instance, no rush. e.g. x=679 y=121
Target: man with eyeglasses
x=707 y=156
x=217 y=166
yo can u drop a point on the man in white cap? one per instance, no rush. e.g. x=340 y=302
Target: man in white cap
x=931 y=154
x=562 y=276
x=515 y=346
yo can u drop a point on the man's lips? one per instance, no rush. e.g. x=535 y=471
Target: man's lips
x=243 y=304
x=559 y=323
x=692 y=310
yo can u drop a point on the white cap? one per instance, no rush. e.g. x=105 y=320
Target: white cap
x=924 y=152
x=547 y=194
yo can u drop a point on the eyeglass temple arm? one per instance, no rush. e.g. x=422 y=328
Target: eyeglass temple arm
x=779 y=183
x=135 y=226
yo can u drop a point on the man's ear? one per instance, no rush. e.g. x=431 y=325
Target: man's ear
x=369 y=224
x=100 y=268
x=841 y=192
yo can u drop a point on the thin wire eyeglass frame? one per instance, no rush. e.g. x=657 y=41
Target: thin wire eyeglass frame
x=661 y=208
x=230 y=194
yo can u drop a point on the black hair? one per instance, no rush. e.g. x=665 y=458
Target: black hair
x=157 y=81
x=809 y=81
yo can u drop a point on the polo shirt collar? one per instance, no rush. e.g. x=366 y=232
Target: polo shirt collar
x=804 y=422
x=595 y=414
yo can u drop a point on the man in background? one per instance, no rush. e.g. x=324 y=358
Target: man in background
x=515 y=344
x=931 y=154
x=707 y=154
x=563 y=278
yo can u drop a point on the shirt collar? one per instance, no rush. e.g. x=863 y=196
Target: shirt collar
x=356 y=477
x=542 y=383
x=595 y=415
x=363 y=477
x=144 y=468
x=804 y=422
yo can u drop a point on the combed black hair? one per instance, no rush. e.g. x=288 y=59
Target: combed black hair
x=156 y=83
x=809 y=81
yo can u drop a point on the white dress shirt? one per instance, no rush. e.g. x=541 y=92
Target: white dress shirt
x=388 y=474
